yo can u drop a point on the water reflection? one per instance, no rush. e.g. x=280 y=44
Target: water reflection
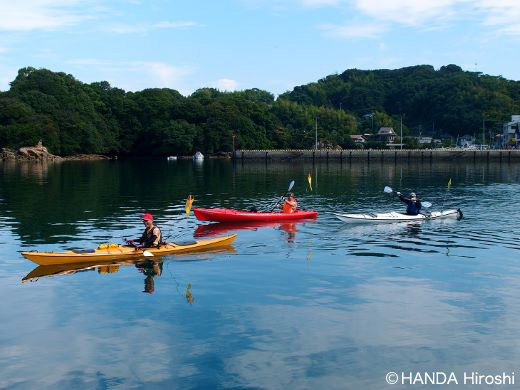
x=314 y=305
x=215 y=229
x=150 y=268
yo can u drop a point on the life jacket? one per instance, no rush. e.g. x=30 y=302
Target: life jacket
x=288 y=209
x=413 y=208
x=148 y=237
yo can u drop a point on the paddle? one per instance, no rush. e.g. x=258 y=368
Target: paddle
x=189 y=203
x=389 y=190
x=291 y=185
x=136 y=247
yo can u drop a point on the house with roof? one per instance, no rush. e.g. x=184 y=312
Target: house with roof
x=387 y=134
x=511 y=132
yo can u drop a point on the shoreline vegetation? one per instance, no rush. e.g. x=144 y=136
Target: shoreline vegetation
x=76 y=120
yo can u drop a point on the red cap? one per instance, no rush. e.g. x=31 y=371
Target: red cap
x=147 y=217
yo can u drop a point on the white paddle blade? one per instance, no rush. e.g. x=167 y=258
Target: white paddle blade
x=388 y=190
x=291 y=186
x=426 y=205
x=147 y=254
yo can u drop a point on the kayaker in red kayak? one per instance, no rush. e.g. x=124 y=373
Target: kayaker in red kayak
x=290 y=205
x=151 y=237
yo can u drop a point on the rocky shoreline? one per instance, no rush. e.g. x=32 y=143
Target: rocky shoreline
x=40 y=153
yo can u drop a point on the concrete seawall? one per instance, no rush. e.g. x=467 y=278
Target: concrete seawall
x=381 y=155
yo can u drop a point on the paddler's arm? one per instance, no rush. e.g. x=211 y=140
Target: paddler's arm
x=156 y=237
x=403 y=199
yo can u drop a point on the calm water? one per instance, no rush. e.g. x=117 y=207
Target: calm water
x=300 y=306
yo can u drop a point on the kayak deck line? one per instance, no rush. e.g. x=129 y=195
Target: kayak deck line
x=120 y=252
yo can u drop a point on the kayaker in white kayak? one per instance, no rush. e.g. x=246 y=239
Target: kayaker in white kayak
x=151 y=237
x=413 y=202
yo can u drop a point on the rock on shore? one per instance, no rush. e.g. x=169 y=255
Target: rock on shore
x=40 y=153
x=37 y=152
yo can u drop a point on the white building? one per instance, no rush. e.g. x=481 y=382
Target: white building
x=467 y=141
x=511 y=132
x=424 y=140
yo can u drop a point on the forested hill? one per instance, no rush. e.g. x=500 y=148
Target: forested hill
x=74 y=117
x=450 y=99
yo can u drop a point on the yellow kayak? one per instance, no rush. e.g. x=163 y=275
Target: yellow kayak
x=111 y=266
x=109 y=252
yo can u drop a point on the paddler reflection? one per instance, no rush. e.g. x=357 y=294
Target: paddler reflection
x=290 y=229
x=151 y=269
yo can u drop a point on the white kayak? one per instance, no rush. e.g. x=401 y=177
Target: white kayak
x=397 y=217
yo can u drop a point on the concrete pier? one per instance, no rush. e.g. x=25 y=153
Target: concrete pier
x=424 y=155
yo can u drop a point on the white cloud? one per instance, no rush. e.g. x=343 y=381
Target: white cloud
x=25 y=15
x=408 y=12
x=7 y=74
x=176 y=24
x=226 y=85
x=354 y=30
x=165 y=75
x=502 y=14
x=320 y=3
x=123 y=28
x=137 y=75
x=286 y=5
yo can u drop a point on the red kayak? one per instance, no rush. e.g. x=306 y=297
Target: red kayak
x=227 y=215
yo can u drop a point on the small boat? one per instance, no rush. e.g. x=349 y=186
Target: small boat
x=397 y=217
x=108 y=252
x=171 y=158
x=198 y=156
x=228 y=215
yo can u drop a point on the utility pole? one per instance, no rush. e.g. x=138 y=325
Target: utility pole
x=483 y=133
x=401 y=131
x=316 y=135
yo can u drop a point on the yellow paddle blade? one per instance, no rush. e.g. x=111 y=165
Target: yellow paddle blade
x=449 y=184
x=189 y=202
x=309 y=179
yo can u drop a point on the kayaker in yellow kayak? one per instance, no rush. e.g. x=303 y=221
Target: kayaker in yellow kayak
x=290 y=205
x=151 y=237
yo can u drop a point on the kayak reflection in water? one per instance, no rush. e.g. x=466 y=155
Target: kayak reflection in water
x=150 y=268
x=290 y=205
x=151 y=237
x=413 y=202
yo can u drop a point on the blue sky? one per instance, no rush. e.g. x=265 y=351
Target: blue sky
x=238 y=44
